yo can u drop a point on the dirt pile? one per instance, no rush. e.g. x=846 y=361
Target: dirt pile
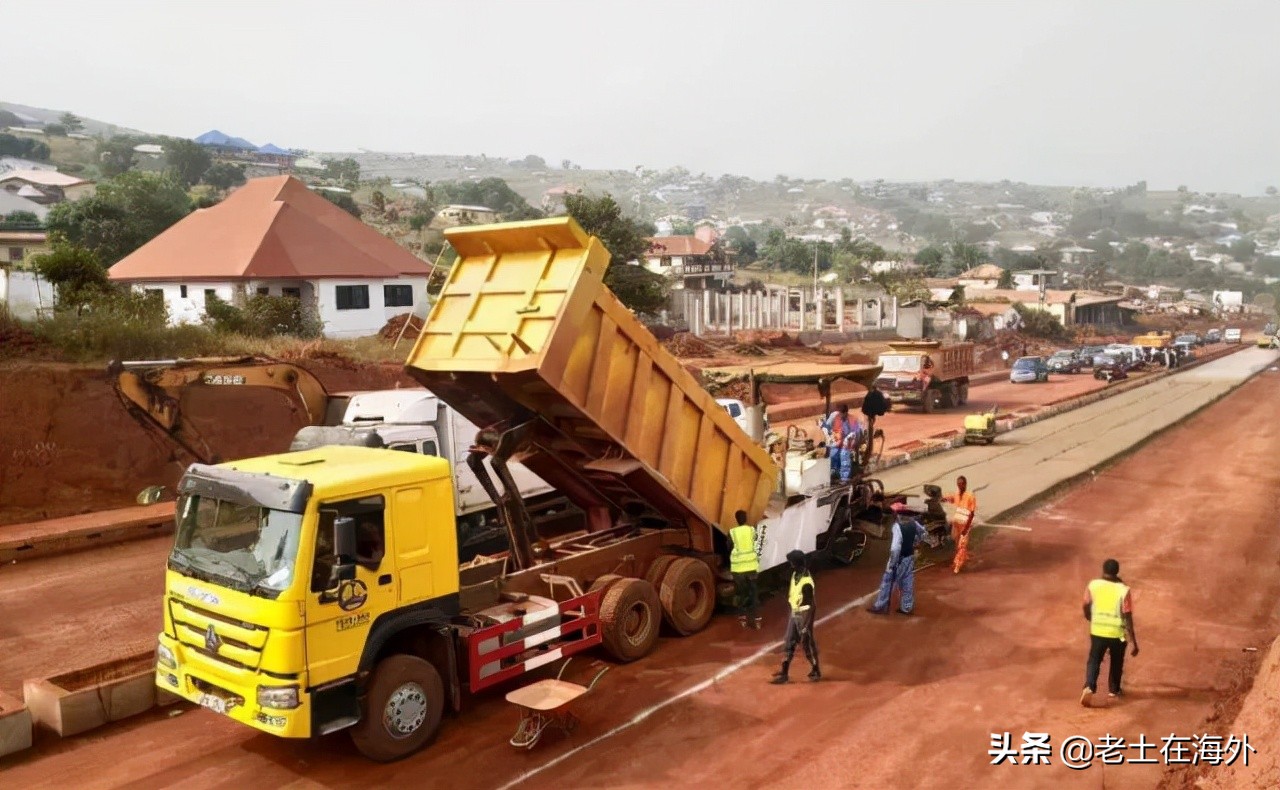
x=393 y=328
x=686 y=344
x=17 y=342
x=68 y=445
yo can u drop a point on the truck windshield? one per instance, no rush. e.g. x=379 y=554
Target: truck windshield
x=900 y=363
x=244 y=546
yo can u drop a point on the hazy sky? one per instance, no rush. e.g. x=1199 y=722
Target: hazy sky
x=1045 y=91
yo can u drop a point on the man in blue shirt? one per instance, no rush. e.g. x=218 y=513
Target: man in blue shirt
x=900 y=571
x=844 y=433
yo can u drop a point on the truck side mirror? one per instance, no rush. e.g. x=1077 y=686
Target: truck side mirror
x=344 y=549
x=150 y=495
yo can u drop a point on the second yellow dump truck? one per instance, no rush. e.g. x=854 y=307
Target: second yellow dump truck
x=317 y=591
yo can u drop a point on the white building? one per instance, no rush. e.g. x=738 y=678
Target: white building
x=275 y=236
x=690 y=261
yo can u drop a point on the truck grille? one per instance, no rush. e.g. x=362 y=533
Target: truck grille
x=231 y=642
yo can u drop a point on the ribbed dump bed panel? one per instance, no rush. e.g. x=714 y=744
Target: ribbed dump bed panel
x=525 y=326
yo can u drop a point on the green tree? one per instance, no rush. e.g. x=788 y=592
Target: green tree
x=116 y=156
x=1243 y=249
x=1006 y=279
x=8 y=119
x=75 y=271
x=126 y=212
x=493 y=193
x=25 y=147
x=963 y=256
x=224 y=175
x=187 y=159
x=55 y=130
x=19 y=220
x=379 y=201
x=71 y=122
x=345 y=170
x=343 y=201
x=931 y=259
x=627 y=240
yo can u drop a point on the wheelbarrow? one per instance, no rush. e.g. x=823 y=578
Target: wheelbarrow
x=546 y=704
x=980 y=427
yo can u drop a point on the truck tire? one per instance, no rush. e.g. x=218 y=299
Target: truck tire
x=687 y=595
x=926 y=401
x=403 y=706
x=964 y=394
x=947 y=396
x=658 y=569
x=605 y=582
x=630 y=613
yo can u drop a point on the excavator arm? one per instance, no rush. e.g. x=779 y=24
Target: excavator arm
x=152 y=391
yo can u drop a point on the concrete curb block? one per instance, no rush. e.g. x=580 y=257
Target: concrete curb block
x=84 y=699
x=86 y=531
x=15 y=725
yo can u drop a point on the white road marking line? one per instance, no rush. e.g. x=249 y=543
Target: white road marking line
x=689 y=692
x=1004 y=526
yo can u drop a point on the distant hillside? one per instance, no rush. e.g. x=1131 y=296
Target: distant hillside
x=91 y=126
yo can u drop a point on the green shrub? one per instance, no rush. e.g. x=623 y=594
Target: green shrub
x=124 y=325
x=261 y=316
x=1038 y=323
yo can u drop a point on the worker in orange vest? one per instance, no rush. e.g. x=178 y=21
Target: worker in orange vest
x=961 y=520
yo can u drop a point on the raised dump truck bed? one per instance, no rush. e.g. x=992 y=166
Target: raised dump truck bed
x=525 y=331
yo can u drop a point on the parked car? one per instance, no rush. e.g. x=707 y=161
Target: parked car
x=1213 y=336
x=1186 y=351
x=1191 y=339
x=1029 y=369
x=1231 y=335
x=1064 y=362
x=1087 y=353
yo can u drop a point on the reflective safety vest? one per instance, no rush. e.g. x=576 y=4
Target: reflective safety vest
x=743 y=559
x=1107 y=599
x=966 y=506
x=796 y=594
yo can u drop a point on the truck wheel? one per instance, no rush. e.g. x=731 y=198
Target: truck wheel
x=605 y=582
x=629 y=616
x=658 y=569
x=402 y=710
x=687 y=595
x=947 y=396
x=964 y=394
x=926 y=403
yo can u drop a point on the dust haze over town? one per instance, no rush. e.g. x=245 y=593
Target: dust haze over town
x=1064 y=93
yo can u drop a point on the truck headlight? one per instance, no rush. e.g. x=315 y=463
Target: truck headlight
x=283 y=697
x=165 y=657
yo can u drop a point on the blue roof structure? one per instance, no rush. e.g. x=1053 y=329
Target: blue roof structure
x=221 y=140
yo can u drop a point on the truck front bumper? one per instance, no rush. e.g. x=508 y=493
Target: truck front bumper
x=202 y=681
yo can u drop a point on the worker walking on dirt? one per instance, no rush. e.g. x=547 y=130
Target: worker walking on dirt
x=800 y=624
x=744 y=564
x=961 y=520
x=900 y=571
x=1108 y=606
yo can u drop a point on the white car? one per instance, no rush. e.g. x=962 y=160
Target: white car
x=1231 y=336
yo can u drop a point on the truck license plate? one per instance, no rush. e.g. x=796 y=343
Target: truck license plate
x=215 y=704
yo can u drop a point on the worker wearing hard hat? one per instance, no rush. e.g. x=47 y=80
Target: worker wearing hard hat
x=800 y=624
x=961 y=520
x=744 y=564
x=901 y=569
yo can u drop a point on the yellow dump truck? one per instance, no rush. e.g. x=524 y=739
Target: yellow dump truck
x=1157 y=340
x=926 y=374
x=321 y=590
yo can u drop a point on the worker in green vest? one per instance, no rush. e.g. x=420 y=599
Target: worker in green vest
x=744 y=564
x=1109 y=609
x=800 y=624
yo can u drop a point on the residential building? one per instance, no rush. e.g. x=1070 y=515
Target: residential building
x=689 y=261
x=18 y=247
x=981 y=277
x=452 y=216
x=1069 y=307
x=45 y=186
x=1228 y=301
x=1034 y=279
x=10 y=163
x=274 y=236
x=274 y=154
x=1000 y=314
x=12 y=201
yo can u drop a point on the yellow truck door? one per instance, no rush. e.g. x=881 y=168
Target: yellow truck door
x=339 y=614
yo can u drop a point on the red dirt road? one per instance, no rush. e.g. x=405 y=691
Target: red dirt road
x=904 y=701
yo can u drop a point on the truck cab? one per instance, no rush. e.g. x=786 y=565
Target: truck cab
x=287 y=569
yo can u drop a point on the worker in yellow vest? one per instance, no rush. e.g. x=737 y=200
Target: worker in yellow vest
x=744 y=564
x=1109 y=609
x=800 y=624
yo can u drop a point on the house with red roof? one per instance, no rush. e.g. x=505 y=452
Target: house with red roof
x=694 y=262
x=275 y=236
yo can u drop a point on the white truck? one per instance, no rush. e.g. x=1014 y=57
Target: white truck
x=416 y=421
